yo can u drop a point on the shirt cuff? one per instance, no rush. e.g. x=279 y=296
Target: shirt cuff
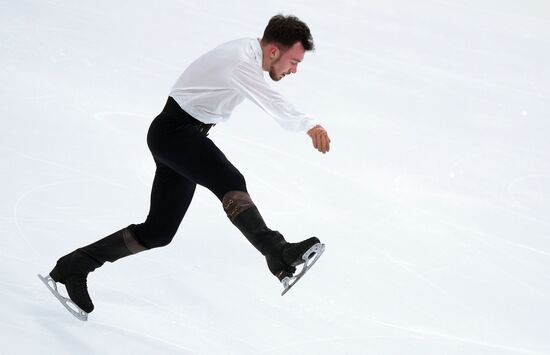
x=309 y=123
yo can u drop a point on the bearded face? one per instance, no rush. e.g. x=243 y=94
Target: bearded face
x=285 y=62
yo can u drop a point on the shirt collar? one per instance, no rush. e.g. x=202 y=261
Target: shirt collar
x=257 y=48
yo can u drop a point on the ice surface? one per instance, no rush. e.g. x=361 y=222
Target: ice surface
x=434 y=201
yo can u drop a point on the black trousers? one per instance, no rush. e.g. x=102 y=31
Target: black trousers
x=184 y=157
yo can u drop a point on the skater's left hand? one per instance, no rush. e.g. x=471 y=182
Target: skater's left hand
x=320 y=138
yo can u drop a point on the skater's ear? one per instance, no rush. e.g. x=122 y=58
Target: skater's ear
x=274 y=51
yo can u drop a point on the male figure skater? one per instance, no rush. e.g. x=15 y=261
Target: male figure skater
x=203 y=96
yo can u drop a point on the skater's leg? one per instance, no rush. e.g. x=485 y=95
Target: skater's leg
x=171 y=195
x=195 y=157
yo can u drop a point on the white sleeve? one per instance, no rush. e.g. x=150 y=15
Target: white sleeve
x=246 y=78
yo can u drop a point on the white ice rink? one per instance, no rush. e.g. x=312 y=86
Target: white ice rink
x=434 y=201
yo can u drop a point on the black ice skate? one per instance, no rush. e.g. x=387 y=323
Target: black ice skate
x=282 y=257
x=304 y=253
x=66 y=302
x=72 y=269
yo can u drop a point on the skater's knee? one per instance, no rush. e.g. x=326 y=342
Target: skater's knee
x=235 y=202
x=161 y=241
x=154 y=236
x=238 y=182
x=231 y=183
x=163 y=236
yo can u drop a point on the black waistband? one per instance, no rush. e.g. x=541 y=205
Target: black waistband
x=174 y=110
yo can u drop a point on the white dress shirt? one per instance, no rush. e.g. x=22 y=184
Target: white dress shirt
x=211 y=87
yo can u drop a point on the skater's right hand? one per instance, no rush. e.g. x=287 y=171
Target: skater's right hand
x=320 y=138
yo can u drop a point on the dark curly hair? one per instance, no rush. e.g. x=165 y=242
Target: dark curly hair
x=287 y=30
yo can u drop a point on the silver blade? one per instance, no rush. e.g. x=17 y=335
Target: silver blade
x=318 y=250
x=66 y=302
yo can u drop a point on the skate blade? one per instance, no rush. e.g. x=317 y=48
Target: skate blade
x=290 y=281
x=66 y=302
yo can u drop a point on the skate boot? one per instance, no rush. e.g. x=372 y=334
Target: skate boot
x=292 y=254
x=306 y=252
x=283 y=262
x=72 y=269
